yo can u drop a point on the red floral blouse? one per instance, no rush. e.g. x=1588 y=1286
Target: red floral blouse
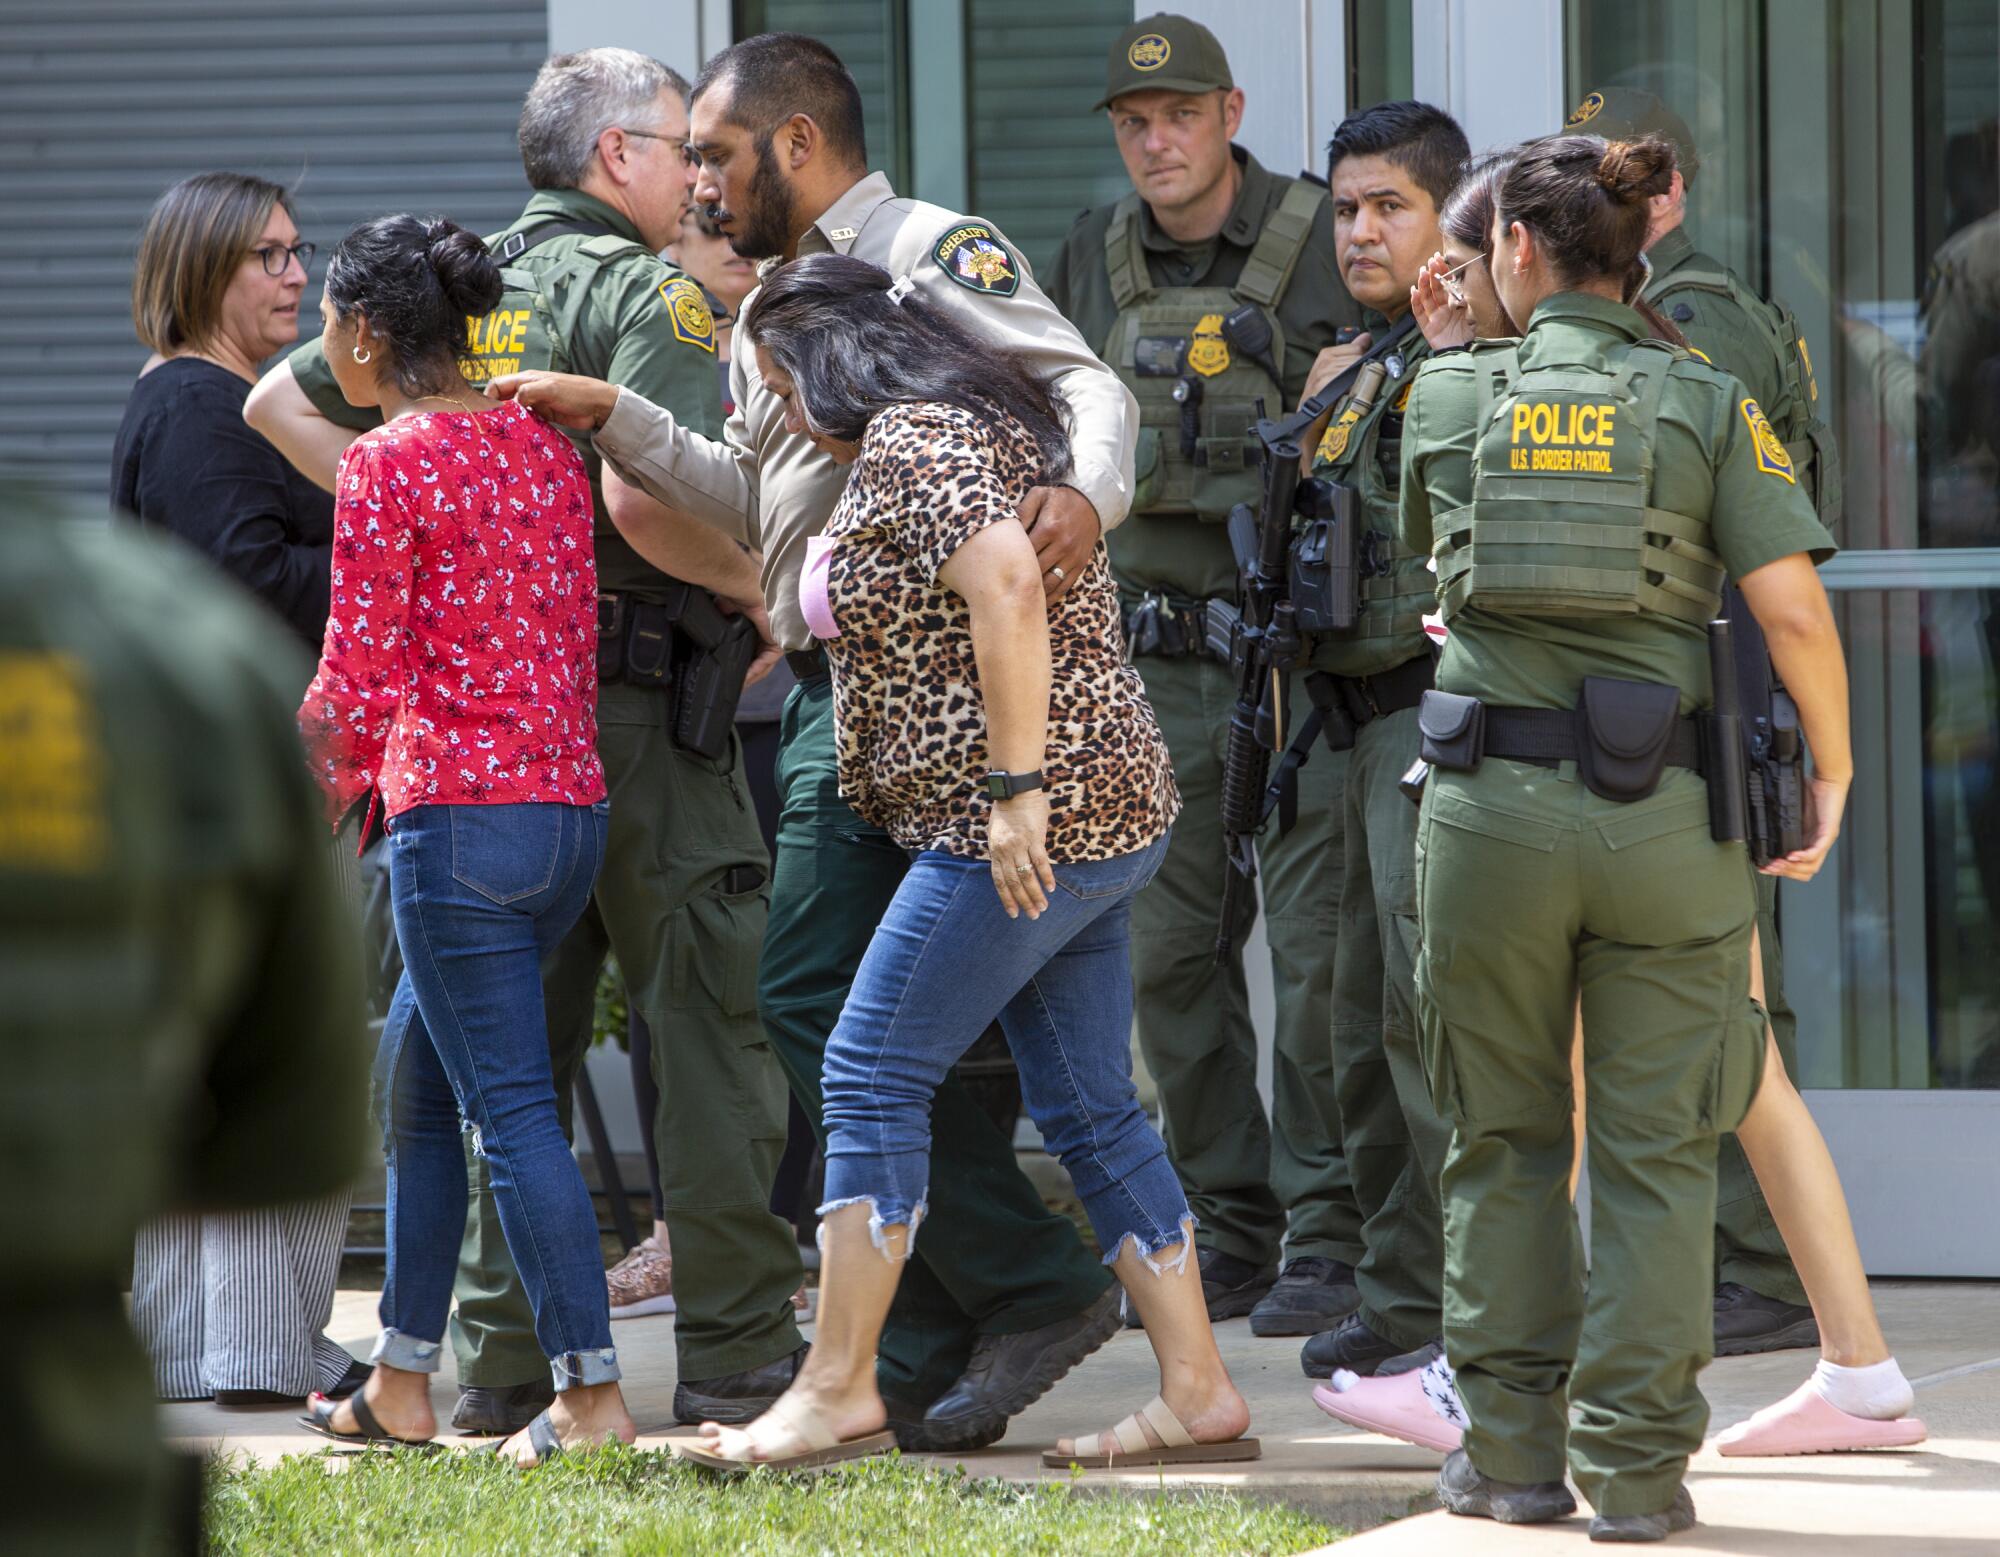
x=460 y=660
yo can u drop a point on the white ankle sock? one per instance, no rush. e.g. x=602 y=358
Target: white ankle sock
x=1440 y=1387
x=1878 y=1392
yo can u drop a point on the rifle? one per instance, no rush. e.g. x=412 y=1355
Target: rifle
x=1263 y=640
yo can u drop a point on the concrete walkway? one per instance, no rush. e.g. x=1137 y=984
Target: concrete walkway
x=1942 y=1498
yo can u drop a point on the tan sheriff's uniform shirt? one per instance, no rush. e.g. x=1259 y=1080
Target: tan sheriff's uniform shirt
x=775 y=491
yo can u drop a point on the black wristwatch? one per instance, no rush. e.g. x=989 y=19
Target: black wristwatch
x=1005 y=786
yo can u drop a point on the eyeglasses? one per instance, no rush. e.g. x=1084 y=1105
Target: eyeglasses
x=1452 y=289
x=689 y=156
x=278 y=257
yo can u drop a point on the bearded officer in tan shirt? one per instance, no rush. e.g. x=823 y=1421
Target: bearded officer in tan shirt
x=1002 y=1298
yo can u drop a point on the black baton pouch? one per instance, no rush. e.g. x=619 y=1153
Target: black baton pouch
x=1454 y=730
x=1623 y=731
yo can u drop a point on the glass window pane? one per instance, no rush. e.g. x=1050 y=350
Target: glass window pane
x=1889 y=954
x=1380 y=68
x=1039 y=155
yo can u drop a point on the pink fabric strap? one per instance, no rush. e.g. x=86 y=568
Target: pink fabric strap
x=813 y=601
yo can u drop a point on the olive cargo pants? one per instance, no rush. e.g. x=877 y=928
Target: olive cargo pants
x=1530 y=888
x=1749 y=1249
x=1392 y=1132
x=1249 y=1184
x=688 y=950
x=992 y=1260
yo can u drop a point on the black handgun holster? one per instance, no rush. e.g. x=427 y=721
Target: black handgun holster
x=1623 y=730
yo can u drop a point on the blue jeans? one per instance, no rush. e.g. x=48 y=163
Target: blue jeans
x=946 y=961
x=482 y=893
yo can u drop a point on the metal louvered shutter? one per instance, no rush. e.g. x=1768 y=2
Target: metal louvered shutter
x=870 y=36
x=1039 y=155
x=362 y=107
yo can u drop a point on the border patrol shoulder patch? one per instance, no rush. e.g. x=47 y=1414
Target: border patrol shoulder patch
x=973 y=256
x=688 y=311
x=1765 y=443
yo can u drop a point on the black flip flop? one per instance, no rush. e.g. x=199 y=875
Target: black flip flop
x=541 y=1438
x=319 y=1418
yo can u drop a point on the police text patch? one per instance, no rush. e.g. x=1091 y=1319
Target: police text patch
x=1563 y=437
x=52 y=769
x=688 y=310
x=973 y=257
x=1768 y=447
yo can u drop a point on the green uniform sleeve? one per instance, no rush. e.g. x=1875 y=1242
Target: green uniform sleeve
x=316 y=379
x=646 y=329
x=1760 y=511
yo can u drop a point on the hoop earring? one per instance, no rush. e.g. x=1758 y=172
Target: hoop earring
x=363 y=357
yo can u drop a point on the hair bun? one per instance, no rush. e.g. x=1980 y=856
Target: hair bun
x=463 y=266
x=1637 y=169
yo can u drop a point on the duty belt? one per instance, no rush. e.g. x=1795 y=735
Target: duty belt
x=1547 y=737
x=1166 y=627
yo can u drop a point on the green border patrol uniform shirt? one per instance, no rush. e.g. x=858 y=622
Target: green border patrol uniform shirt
x=1634 y=904
x=1116 y=267
x=1760 y=342
x=614 y=310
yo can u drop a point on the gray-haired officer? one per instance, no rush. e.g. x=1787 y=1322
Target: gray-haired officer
x=1206 y=243
x=681 y=898
x=183 y=1025
x=1002 y=1298
x=1760 y=1303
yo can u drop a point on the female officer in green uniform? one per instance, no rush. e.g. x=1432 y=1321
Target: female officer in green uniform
x=1584 y=493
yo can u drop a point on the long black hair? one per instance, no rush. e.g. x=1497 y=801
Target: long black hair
x=417 y=282
x=828 y=321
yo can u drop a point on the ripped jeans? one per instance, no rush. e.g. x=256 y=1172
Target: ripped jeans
x=945 y=961
x=482 y=893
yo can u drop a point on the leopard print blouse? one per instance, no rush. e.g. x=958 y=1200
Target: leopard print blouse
x=911 y=724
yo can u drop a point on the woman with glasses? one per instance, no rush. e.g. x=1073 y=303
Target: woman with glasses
x=231 y=1307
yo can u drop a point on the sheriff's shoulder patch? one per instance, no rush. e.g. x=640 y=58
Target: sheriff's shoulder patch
x=977 y=260
x=1765 y=443
x=688 y=310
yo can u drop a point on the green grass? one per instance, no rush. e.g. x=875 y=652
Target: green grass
x=626 y=1501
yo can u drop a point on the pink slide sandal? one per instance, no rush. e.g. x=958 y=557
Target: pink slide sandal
x=1395 y=1406
x=1806 y=1422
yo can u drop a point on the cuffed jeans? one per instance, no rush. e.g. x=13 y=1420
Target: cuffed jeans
x=481 y=894
x=946 y=961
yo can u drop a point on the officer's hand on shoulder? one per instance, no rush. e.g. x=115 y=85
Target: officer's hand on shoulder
x=567 y=399
x=1334 y=361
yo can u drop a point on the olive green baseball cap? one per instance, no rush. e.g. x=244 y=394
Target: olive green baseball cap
x=1625 y=113
x=1165 y=54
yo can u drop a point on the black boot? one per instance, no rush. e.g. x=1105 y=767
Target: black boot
x=1747 y=1323
x=498 y=1412
x=1009 y=1373
x=736 y=1398
x=1463 y=1490
x=1312 y=1294
x=1355 y=1347
x=1678 y=1516
x=1232 y=1287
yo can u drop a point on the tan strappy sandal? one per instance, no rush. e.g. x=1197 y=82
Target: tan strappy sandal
x=821 y=1445
x=1126 y=1445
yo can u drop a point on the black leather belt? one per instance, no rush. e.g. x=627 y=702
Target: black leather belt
x=808 y=664
x=1546 y=737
